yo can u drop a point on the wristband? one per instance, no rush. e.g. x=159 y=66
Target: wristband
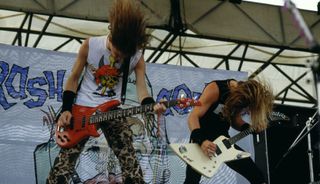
x=147 y=100
x=67 y=100
x=245 y=126
x=197 y=136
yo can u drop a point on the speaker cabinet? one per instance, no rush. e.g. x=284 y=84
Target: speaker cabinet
x=271 y=147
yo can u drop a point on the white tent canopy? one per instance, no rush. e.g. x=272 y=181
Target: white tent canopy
x=260 y=39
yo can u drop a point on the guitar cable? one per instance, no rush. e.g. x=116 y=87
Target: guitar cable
x=49 y=144
x=52 y=133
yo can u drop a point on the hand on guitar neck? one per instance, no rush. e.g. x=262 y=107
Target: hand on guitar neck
x=64 y=119
x=84 y=119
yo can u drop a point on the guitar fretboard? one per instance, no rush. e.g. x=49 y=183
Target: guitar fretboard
x=240 y=135
x=122 y=113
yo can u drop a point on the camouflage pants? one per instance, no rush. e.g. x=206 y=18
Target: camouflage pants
x=119 y=137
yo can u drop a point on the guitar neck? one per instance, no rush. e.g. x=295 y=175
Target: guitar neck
x=274 y=116
x=122 y=113
x=240 y=135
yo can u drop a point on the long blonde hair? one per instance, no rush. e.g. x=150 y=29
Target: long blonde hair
x=127 y=27
x=257 y=96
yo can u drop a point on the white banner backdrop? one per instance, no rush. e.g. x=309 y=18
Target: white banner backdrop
x=30 y=93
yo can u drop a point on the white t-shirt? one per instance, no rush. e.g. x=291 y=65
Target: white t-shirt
x=94 y=92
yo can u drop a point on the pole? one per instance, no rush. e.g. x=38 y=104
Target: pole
x=310 y=152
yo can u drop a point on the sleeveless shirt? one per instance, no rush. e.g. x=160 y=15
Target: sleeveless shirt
x=93 y=91
x=212 y=123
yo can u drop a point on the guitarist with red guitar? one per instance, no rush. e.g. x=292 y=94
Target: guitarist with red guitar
x=100 y=62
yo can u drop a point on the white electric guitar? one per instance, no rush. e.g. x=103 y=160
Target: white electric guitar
x=207 y=166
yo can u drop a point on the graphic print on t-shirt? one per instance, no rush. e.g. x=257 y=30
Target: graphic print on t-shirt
x=106 y=77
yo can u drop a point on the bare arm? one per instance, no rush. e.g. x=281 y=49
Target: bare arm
x=142 y=91
x=140 y=71
x=73 y=80
x=237 y=122
x=209 y=96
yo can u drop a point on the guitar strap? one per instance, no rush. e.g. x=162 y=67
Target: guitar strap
x=125 y=71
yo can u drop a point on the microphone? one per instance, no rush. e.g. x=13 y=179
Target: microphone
x=301 y=25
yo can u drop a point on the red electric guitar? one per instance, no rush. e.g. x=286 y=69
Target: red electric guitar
x=85 y=119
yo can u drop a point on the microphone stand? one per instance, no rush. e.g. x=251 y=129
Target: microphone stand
x=314 y=47
x=316 y=74
x=309 y=126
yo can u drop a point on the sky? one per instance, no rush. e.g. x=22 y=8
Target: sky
x=301 y=4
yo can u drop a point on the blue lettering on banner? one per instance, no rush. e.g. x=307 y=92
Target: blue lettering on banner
x=15 y=72
x=4 y=72
x=177 y=93
x=59 y=88
x=17 y=85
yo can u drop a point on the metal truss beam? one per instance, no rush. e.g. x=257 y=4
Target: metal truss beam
x=177 y=35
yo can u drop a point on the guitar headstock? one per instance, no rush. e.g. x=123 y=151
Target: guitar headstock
x=187 y=102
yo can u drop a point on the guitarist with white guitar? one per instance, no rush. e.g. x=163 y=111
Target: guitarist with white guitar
x=101 y=58
x=222 y=105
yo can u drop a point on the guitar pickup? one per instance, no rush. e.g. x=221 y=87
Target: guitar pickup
x=226 y=143
x=218 y=151
x=71 y=124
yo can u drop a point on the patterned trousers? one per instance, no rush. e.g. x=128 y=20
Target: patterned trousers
x=119 y=137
